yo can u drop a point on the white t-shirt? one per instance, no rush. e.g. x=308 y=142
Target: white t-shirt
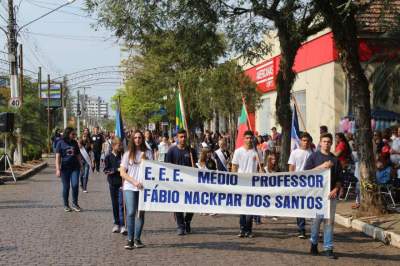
x=133 y=168
x=162 y=151
x=246 y=160
x=298 y=158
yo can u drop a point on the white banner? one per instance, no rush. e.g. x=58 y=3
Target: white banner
x=175 y=188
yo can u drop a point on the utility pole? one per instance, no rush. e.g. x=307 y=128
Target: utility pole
x=12 y=51
x=21 y=73
x=78 y=115
x=40 y=82
x=48 y=115
x=64 y=101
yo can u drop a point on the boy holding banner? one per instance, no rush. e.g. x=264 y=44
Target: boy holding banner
x=182 y=154
x=297 y=160
x=245 y=160
x=324 y=159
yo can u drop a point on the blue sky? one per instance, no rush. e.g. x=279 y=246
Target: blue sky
x=63 y=42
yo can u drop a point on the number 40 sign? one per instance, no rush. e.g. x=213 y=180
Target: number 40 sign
x=15 y=102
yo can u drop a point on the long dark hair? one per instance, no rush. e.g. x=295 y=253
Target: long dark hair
x=67 y=132
x=132 y=147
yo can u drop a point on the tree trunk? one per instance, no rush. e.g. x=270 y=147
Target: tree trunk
x=216 y=113
x=284 y=82
x=343 y=25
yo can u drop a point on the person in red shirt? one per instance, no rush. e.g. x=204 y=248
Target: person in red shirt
x=342 y=150
x=343 y=154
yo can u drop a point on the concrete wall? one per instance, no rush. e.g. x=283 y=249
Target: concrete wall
x=324 y=100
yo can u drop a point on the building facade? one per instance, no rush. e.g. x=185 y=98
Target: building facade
x=320 y=89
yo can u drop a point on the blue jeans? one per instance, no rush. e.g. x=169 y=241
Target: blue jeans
x=134 y=218
x=85 y=175
x=301 y=224
x=70 y=177
x=328 y=228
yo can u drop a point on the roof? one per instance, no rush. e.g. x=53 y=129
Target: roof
x=379 y=16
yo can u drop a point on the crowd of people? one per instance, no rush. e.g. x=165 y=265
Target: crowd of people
x=120 y=161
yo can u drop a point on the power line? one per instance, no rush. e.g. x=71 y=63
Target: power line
x=61 y=11
x=69 y=37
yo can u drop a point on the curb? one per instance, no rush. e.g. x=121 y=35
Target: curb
x=26 y=174
x=377 y=233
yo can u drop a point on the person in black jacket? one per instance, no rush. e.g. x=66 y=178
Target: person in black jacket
x=111 y=168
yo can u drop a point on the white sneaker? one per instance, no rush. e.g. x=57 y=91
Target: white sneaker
x=85 y=191
x=115 y=228
x=123 y=230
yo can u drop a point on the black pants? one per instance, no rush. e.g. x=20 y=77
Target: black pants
x=115 y=194
x=182 y=218
x=97 y=156
x=246 y=223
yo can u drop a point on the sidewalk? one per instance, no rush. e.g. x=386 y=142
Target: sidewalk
x=24 y=171
x=385 y=228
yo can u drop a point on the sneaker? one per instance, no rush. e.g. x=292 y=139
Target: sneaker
x=67 y=209
x=123 y=231
x=314 y=250
x=138 y=244
x=241 y=234
x=75 y=207
x=181 y=232
x=115 y=228
x=274 y=218
x=302 y=235
x=129 y=245
x=249 y=235
x=85 y=191
x=188 y=228
x=330 y=255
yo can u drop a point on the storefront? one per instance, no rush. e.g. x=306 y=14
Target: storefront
x=320 y=88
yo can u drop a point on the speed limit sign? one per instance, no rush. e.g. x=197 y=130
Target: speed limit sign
x=15 y=102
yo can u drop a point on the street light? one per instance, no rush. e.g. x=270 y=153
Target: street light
x=42 y=16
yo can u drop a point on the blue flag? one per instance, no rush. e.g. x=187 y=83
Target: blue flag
x=119 y=125
x=295 y=132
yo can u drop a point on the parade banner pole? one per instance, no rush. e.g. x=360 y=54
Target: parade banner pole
x=185 y=125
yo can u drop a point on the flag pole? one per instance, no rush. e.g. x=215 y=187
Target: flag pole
x=299 y=113
x=123 y=197
x=249 y=126
x=185 y=125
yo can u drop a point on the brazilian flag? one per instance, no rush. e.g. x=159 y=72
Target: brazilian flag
x=180 y=117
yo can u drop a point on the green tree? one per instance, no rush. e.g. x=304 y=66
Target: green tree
x=341 y=18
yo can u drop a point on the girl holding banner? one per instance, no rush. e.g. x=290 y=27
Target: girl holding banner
x=129 y=170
